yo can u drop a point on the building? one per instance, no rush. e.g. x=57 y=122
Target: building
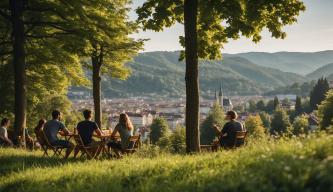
x=225 y=102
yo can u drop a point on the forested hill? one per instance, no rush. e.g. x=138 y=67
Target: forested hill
x=161 y=74
x=325 y=71
x=296 y=62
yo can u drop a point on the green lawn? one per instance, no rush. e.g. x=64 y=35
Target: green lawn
x=285 y=165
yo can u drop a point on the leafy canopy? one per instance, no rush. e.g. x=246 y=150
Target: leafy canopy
x=220 y=20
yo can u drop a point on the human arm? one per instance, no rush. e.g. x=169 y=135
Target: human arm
x=115 y=131
x=217 y=129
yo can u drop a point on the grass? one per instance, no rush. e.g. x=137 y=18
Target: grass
x=284 y=165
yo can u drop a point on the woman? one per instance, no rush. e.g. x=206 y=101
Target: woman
x=125 y=130
x=39 y=133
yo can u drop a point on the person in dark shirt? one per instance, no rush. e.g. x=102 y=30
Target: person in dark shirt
x=228 y=133
x=86 y=130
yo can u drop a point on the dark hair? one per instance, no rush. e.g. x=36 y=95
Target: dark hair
x=55 y=114
x=233 y=115
x=4 y=121
x=87 y=113
x=40 y=125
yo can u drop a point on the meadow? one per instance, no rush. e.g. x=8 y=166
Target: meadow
x=295 y=164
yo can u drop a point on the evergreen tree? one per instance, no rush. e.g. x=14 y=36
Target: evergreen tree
x=298 y=106
x=215 y=116
x=159 y=129
x=261 y=106
x=270 y=106
x=325 y=111
x=300 y=125
x=266 y=120
x=276 y=102
x=254 y=126
x=252 y=106
x=208 y=25
x=280 y=123
x=318 y=93
x=177 y=140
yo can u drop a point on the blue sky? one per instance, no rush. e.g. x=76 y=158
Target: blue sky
x=313 y=32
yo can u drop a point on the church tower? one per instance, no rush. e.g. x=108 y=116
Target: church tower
x=221 y=96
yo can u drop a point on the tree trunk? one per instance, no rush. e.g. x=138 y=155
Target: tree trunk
x=191 y=76
x=17 y=8
x=97 y=89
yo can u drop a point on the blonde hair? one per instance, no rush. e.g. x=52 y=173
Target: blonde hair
x=125 y=120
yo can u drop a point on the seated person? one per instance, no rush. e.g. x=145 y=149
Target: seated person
x=228 y=133
x=51 y=130
x=125 y=130
x=39 y=133
x=29 y=140
x=86 y=130
x=4 y=140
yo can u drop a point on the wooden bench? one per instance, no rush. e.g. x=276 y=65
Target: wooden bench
x=239 y=141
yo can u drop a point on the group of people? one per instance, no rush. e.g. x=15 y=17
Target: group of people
x=87 y=128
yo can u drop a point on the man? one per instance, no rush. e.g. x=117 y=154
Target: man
x=86 y=130
x=228 y=133
x=4 y=140
x=51 y=130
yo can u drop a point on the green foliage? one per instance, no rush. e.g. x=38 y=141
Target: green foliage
x=255 y=127
x=318 y=93
x=219 y=21
x=299 y=165
x=298 y=105
x=325 y=111
x=266 y=120
x=159 y=129
x=296 y=88
x=261 y=106
x=280 y=123
x=215 y=116
x=300 y=125
x=252 y=106
x=276 y=103
x=177 y=140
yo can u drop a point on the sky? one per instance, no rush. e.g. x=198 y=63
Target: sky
x=313 y=32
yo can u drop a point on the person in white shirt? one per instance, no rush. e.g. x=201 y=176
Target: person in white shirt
x=4 y=140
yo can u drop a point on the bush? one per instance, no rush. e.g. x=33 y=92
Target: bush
x=301 y=125
x=254 y=126
x=325 y=111
x=159 y=129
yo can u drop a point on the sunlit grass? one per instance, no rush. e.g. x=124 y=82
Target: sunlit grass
x=284 y=165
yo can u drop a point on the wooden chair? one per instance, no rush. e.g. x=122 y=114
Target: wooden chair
x=46 y=145
x=240 y=139
x=85 y=150
x=135 y=141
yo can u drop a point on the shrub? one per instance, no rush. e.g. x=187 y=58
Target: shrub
x=254 y=126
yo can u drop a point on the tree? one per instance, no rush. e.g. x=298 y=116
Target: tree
x=318 y=93
x=107 y=44
x=255 y=126
x=159 y=129
x=208 y=26
x=266 y=119
x=298 y=106
x=270 y=106
x=261 y=106
x=280 y=123
x=325 y=111
x=215 y=116
x=276 y=102
x=177 y=140
x=300 y=125
x=252 y=106
x=32 y=24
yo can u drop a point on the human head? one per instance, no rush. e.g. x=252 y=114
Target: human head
x=40 y=124
x=87 y=114
x=231 y=115
x=124 y=119
x=5 y=122
x=56 y=115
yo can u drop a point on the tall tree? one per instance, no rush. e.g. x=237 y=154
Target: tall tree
x=208 y=26
x=318 y=93
x=325 y=111
x=31 y=22
x=298 y=106
x=276 y=102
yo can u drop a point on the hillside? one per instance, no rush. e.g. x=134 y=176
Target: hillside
x=296 y=62
x=161 y=74
x=325 y=71
x=281 y=165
